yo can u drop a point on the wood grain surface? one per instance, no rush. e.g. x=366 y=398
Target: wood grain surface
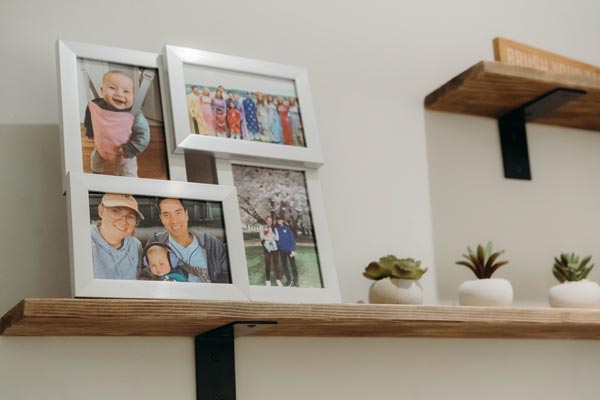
x=122 y=317
x=492 y=89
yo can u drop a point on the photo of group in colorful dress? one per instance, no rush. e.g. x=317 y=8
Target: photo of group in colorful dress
x=238 y=114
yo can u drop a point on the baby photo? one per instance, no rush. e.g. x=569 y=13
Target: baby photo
x=122 y=127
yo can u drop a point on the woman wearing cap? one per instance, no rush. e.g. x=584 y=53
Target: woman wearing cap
x=116 y=253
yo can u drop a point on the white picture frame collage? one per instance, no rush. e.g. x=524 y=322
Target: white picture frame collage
x=138 y=229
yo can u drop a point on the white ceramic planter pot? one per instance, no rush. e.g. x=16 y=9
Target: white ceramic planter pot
x=579 y=294
x=396 y=291
x=486 y=293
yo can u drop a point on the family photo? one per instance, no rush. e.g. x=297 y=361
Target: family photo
x=279 y=239
x=157 y=239
x=243 y=106
x=121 y=120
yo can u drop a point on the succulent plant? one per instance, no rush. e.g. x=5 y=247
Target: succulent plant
x=482 y=262
x=393 y=267
x=568 y=267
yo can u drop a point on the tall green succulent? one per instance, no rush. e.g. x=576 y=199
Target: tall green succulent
x=568 y=267
x=483 y=261
x=393 y=267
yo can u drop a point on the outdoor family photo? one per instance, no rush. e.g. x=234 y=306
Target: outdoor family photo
x=279 y=239
x=244 y=114
x=157 y=239
x=121 y=120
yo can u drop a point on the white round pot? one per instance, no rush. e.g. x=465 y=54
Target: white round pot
x=486 y=293
x=579 y=294
x=396 y=291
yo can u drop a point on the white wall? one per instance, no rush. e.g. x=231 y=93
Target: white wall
x=370 y=66
x=534 y=221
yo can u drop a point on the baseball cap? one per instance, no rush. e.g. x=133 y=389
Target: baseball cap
x=121 y=200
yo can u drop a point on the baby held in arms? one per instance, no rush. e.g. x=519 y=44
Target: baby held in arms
x=158 y=261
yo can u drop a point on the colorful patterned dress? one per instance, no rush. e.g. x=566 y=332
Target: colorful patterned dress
x=262 y=114
x=251 y=119
x=234 y=120
x=286 y=126
x=294 y=114
x=207 y=112
x=218 y=108
x=274 y=124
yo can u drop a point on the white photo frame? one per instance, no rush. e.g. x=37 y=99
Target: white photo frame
x=84 y=284
x=247 y=75
x=329 y=292
x=71 y=64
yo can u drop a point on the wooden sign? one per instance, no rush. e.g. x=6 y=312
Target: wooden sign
x=514 y=53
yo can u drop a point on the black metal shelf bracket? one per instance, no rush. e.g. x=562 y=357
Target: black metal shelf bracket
x=513 y=135
x=215 y=359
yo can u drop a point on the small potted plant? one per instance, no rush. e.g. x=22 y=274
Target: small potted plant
x=485 y=290
x=574 y=290
x=396 y=281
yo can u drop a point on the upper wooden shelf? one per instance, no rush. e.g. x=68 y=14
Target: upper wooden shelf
x=122 y=317
x=492 y=89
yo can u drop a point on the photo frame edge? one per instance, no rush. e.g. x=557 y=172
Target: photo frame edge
x=68 y=107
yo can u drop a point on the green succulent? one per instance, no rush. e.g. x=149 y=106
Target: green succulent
x=483 y=261
x=393 y=267
x=568 y=267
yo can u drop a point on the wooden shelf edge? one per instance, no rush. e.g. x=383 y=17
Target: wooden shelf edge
x=13 y=315
x=433 y=98
x=510 y=71
x=122 y=317
x=492 y=89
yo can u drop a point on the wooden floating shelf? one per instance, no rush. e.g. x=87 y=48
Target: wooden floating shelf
x=492 y=89
x=122 y=317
